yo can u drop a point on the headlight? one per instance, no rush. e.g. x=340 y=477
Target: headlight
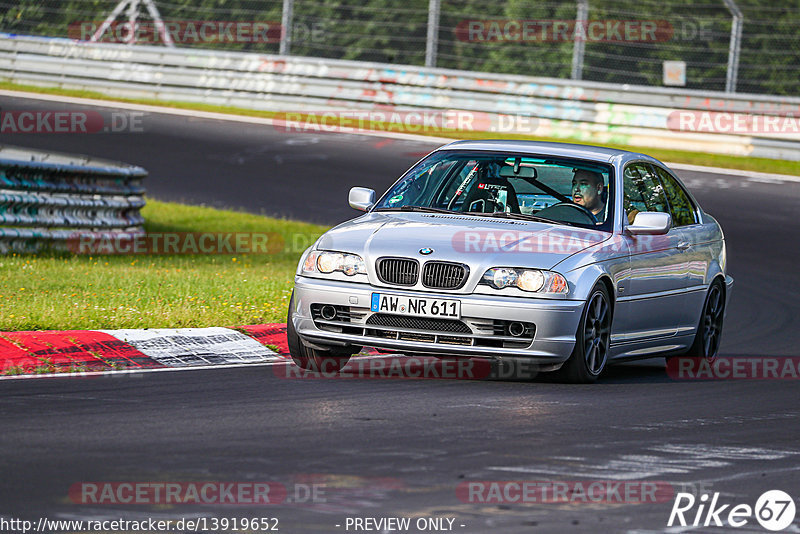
x=500 y=278
x=530 y=280
x=329 y=262
x=352 y=264
x=310 y=264
x=525 y=279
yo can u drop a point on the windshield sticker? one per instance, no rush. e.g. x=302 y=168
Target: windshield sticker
x=467 y=180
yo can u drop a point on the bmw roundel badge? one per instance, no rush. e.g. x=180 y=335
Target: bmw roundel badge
x=425 y=251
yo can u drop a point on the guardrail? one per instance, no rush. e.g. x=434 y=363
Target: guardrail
x=597 y=112
x=46 y=199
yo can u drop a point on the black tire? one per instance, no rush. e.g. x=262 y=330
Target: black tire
x=590 y=355
x=325 y=361
x=709 y=329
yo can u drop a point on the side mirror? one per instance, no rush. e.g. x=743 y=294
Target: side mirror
x=650 y=223
x=361 y=198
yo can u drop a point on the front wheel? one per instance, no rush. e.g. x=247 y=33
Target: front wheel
x=709 y=330
x=589 y=357
x=324 y=361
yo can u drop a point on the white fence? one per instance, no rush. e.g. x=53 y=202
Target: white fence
x=746 y=125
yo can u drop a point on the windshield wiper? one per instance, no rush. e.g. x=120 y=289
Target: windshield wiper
x=520 y=216
x=427 y=209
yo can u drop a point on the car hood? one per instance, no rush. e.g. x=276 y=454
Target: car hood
x=479 y=242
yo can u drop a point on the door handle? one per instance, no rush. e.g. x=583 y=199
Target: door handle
x=683 y=245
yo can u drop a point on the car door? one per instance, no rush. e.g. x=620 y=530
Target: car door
x=655 y=292
x=697 y=247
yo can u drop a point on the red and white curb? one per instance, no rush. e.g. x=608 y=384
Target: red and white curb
x=42 y=353
x=196 y=346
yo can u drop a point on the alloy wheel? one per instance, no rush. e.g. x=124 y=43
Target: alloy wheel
x=596 y=333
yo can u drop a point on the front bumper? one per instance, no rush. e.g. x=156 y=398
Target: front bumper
x=556 y=322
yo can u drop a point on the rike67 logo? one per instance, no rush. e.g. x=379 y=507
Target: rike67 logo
x=774 y=510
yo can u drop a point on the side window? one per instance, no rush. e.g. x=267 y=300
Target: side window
x=681 y=207
x=642 y=190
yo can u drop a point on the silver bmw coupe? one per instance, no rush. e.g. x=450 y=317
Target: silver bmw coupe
x=568 y=257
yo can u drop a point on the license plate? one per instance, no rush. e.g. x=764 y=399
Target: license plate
x=420 y=307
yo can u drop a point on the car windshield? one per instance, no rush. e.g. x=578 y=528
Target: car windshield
x=561 y=190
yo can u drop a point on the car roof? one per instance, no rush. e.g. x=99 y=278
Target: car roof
x=566 y=150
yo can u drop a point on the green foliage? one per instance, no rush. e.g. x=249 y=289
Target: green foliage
x=531 y=57
x=375 y=30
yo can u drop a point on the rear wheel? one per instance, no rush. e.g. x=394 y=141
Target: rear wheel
x=326 y=361
x=709 y=330
x=589 y=357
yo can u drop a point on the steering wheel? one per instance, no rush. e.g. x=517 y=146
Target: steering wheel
x=581 y=209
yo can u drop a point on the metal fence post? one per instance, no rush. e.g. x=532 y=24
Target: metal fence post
x=162 y=28
x=286 y=28
x=133 y=15
x=432 y=43
x=579 y=45
x=735 y=47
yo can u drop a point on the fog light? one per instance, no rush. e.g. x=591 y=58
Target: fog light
x=516 y=329
x=328 y=312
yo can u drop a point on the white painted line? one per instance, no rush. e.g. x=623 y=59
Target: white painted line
x=145 y=370
x=280 y=360
x=389 y=135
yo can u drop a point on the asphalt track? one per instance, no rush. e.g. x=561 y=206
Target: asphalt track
x=402 y=447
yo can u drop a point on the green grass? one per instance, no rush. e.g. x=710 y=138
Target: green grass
x=57 y=291
x=674 y=156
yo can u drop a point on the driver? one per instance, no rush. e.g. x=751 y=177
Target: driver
x=587 y=188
